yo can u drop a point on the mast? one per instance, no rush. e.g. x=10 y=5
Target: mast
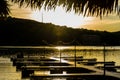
x=42 y=17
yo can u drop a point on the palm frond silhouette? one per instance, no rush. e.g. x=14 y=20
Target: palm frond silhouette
x=85 y=7
x=4 y=8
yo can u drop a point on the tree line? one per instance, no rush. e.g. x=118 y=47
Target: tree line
x=23 y=32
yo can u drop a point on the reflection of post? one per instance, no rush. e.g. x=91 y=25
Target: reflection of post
x=104 y=60
x=75 y=55
x=44 y=51
x=60 y=54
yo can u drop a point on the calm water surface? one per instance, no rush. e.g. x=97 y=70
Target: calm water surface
x=8 y=72
x=112 y=53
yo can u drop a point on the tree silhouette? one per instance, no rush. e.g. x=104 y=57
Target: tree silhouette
x=4 y=8
x=86 y=7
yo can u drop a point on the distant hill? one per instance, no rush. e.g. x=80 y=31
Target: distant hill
x=15 y=31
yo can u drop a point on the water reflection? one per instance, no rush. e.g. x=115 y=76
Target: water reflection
x=112 y=53
x=7 y=70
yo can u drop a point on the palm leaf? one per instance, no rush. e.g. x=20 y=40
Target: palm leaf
x=4 y=8
x=86 y=7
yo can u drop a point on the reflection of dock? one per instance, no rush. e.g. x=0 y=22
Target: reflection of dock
x=56 y=68
x=74 y=76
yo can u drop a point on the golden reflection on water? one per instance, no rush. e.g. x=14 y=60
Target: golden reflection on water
x=61 y=47
x=41 y=72
x=7 y=71
x=112 y=53
x=58 y=59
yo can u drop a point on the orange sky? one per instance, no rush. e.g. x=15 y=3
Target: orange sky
x=60 y=17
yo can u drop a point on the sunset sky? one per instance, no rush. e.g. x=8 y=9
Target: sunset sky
x=60 y=17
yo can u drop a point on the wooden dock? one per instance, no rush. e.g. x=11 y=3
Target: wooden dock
x=53 y=69
x=96 y=62
x=109 y=67
x=75 y=76
x=39 y=63
x=57 y=68
x=32 y=59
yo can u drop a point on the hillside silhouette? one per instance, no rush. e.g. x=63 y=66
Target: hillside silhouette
x=24 y=32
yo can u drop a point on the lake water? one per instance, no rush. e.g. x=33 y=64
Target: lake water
x=8 y=72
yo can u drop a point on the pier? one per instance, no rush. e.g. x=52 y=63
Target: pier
x=51 y=67
x=41 y=67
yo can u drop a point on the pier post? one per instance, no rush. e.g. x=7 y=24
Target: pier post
x=75 y=55
x=44 y=51
x=104 y=60
x=60 y=54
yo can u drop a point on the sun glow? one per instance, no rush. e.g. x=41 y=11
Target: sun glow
x=37 y=15
x=60 y=17
x=61 y=47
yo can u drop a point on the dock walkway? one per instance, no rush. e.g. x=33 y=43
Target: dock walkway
x=95 y=71
x=98 y=71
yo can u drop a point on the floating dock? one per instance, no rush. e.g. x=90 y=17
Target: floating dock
x=62 y=68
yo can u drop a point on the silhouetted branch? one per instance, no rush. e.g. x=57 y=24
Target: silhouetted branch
x=86 y=7
x=4 y=8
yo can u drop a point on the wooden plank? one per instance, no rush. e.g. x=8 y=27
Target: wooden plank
x=19 y=65
x=98 y=62
x=108 y=66
x=86 y=76
x=65 y=75
x=31 y=59
x=63 y=68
